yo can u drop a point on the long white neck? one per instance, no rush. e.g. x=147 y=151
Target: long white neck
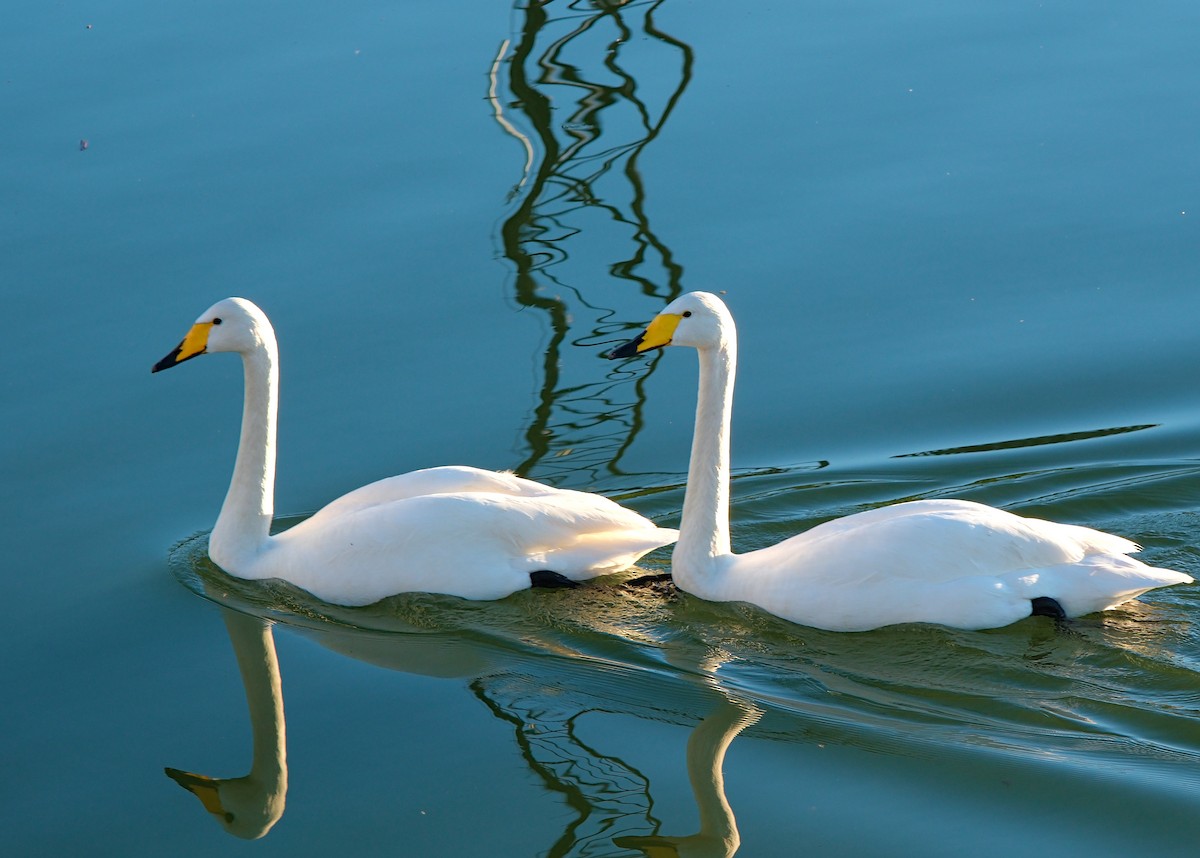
x=244 y=525
x=704 y=528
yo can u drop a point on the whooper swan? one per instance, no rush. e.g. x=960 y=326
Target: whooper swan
x=952 y=562
x=454 y=530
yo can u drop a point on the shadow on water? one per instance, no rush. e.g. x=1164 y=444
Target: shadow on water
x=1112 y=689
x=585 y=88
x=1038 y=441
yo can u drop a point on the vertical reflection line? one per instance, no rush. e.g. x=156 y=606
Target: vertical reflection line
x=537 y=108
x=638 y=205
x=498 y=113
x=535 y=240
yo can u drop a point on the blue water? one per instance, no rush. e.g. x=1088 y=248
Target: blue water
x=960 y=242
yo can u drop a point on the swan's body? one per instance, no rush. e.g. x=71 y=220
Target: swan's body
x=952 y=562
x=454 y=530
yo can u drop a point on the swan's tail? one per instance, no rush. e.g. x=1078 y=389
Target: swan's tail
x=1097 y=582
x=593 y=554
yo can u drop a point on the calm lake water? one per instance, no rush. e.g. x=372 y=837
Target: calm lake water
x=961 y=242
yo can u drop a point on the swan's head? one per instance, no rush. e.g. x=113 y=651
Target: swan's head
x=697 y=319
x=232 y=325
x=242 y=806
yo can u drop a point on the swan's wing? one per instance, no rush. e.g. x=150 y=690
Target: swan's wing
x=449 y=479
x=477 y=545
x=1096 y=583
x=980 y=514
x=578 y=534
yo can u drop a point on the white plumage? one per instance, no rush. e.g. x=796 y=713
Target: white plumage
x=952 y=562
x=454 y=530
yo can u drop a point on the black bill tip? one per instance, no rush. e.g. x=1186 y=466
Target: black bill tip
x=187 y=780
x=629 y=349
x=174 y=359
x=169 y=361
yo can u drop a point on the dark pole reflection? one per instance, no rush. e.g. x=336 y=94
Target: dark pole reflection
x=567 y=87
x=609 y=797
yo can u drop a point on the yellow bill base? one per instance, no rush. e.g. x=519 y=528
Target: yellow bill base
x=660 y=331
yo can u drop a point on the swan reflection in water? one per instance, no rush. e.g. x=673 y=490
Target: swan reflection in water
x=718 y=836
x=249 y=805
x=543 y=660
x=532 y=679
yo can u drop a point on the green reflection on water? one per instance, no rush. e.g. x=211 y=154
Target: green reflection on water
x=566 y=92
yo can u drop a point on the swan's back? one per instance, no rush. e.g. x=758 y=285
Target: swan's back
x=936 y=540
x=448 y=479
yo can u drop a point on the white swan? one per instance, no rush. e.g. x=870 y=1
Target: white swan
x=952 y=562
x=454 y=530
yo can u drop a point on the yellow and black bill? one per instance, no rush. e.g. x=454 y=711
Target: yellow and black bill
x=657 y=334
x=195 y=343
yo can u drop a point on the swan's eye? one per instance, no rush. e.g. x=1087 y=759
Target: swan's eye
x=217 y=320
x=687 y=314
x=229 y=817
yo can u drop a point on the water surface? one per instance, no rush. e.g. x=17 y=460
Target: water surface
x=960 y=243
